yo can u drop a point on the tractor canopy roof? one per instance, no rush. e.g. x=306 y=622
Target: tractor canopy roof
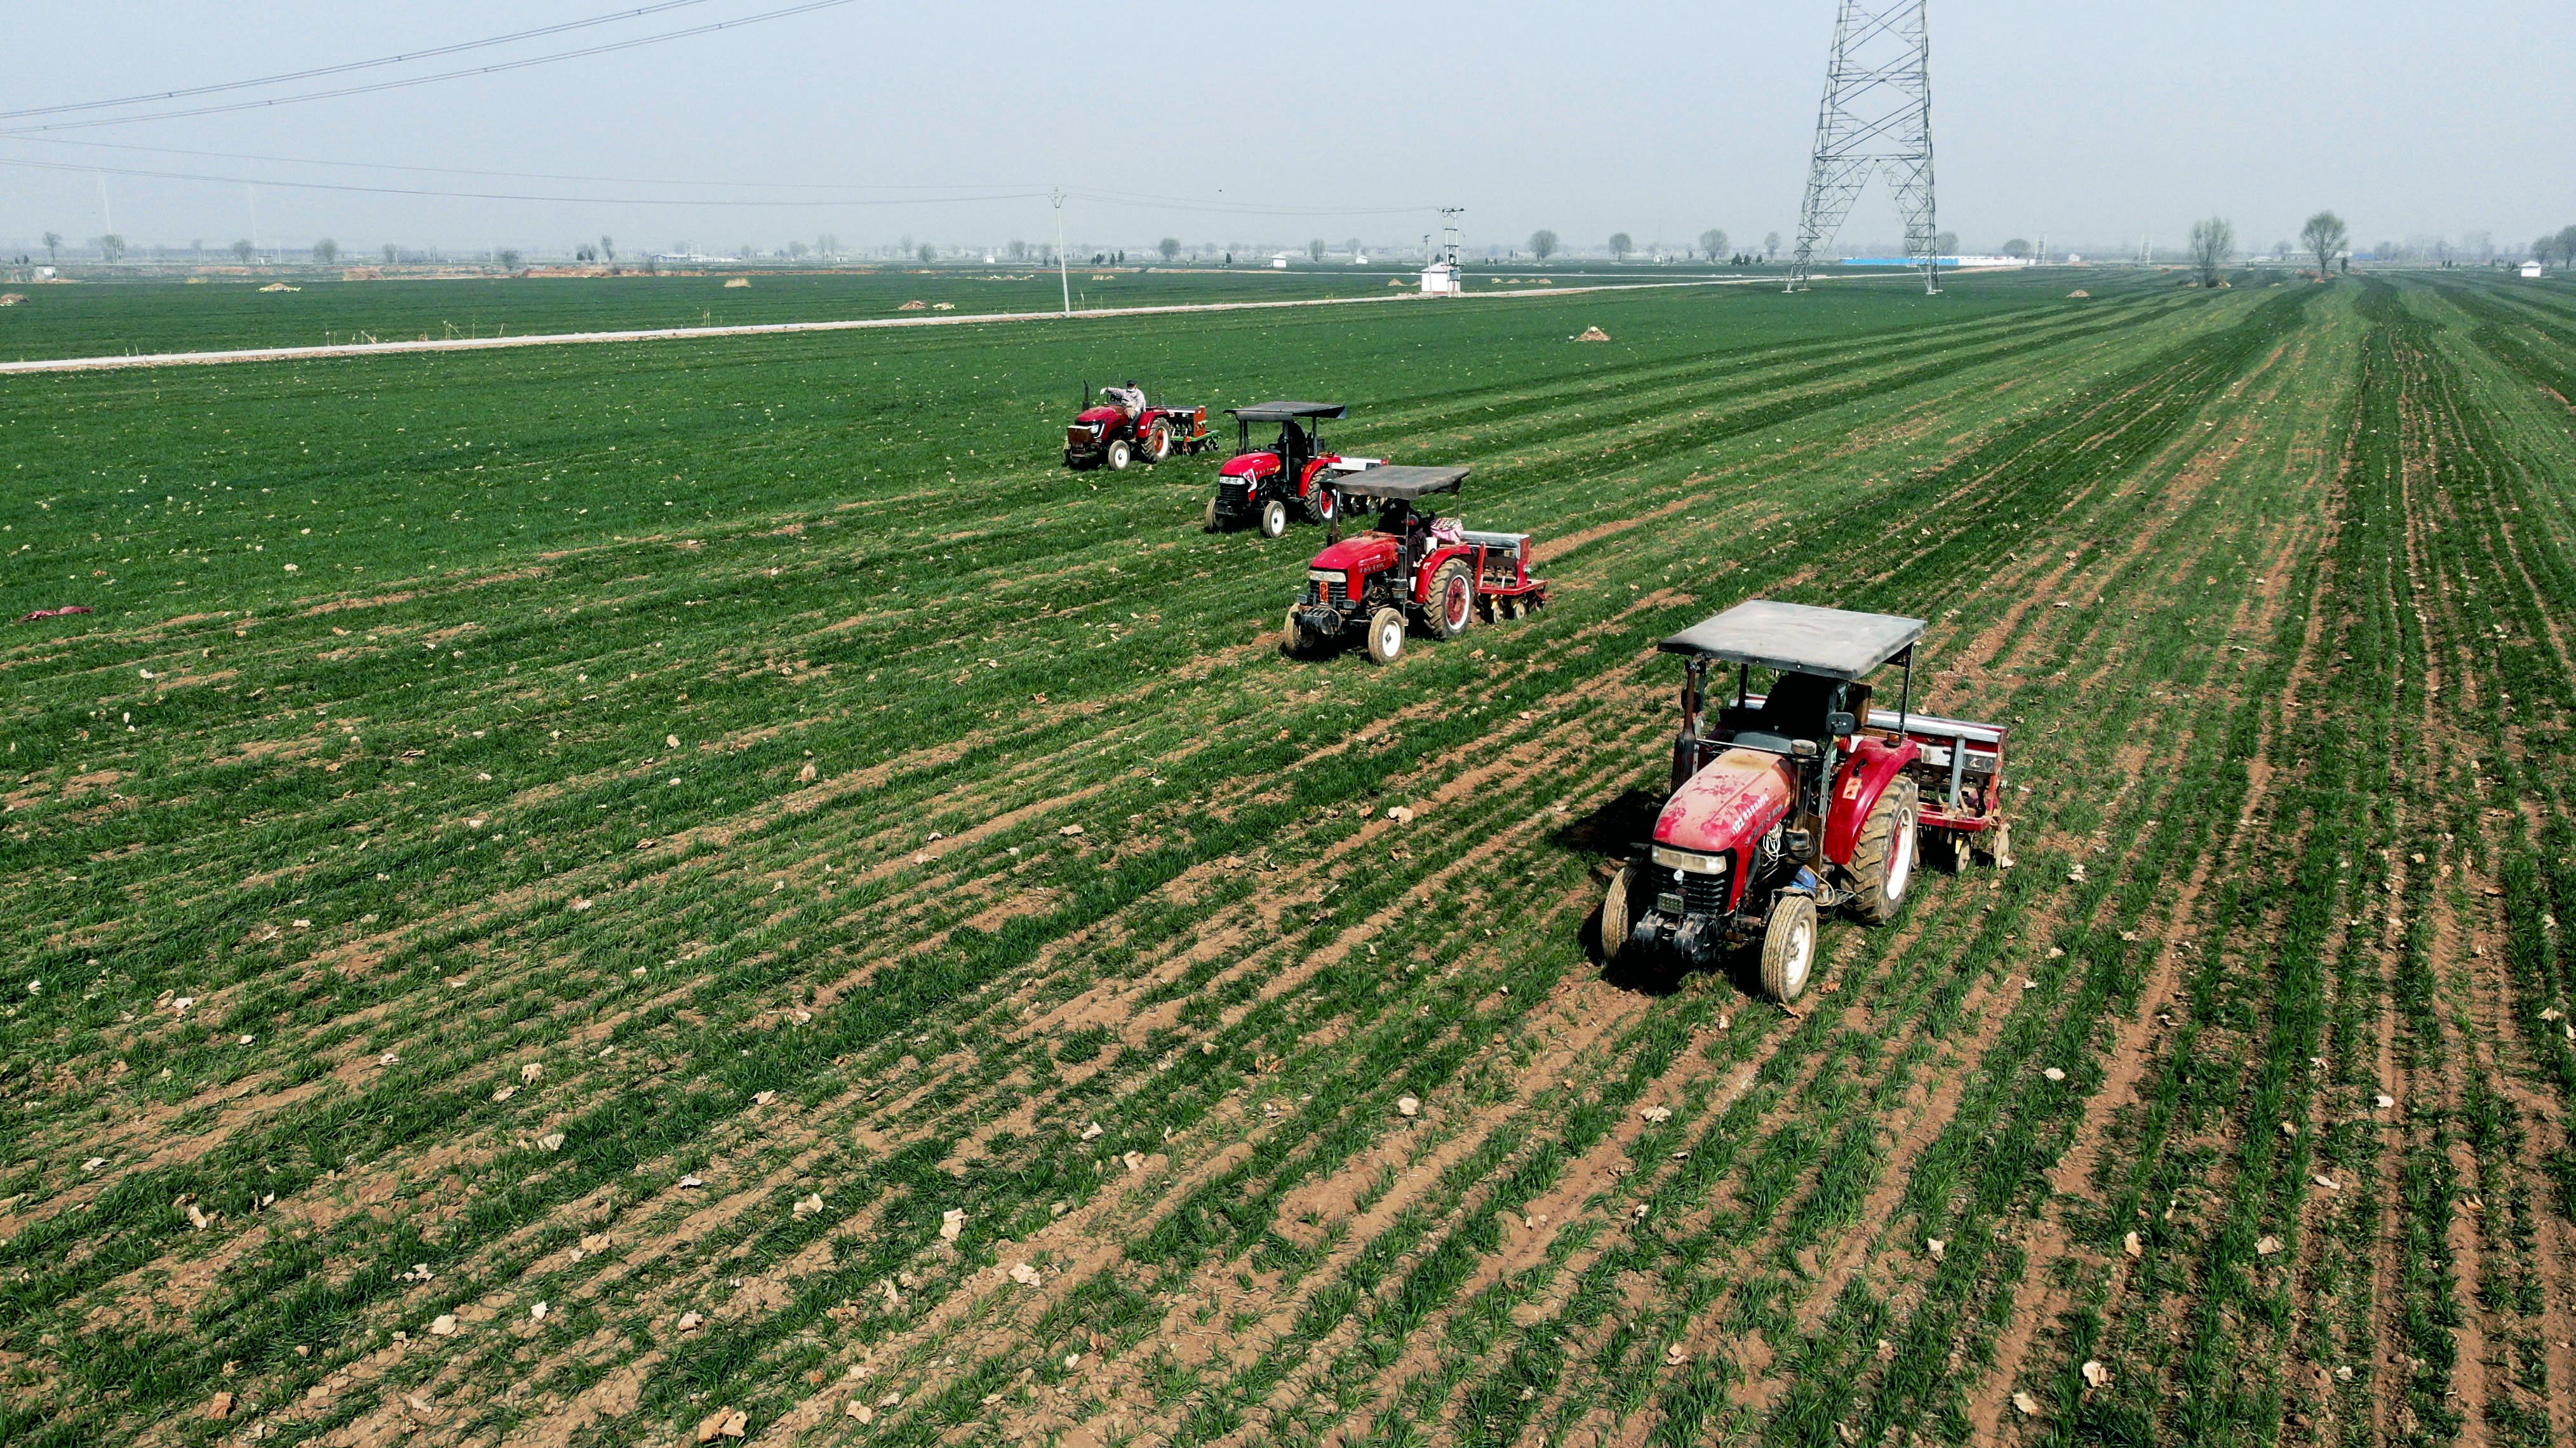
x=1286 y=411
x=1799 y=639
x=1404 y=484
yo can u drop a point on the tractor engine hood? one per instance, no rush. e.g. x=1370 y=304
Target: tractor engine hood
x=1362 y=554
x=1102 y=415
x=1729 y=804
x=1250 y=465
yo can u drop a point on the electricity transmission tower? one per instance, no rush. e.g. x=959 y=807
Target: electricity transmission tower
x=1877 y=113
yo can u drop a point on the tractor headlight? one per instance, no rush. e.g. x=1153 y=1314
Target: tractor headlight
x=1690 y=860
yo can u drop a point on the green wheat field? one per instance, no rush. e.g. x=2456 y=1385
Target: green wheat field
x=565 y=894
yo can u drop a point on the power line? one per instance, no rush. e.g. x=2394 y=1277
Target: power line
x=347 y=66
x=373 y=87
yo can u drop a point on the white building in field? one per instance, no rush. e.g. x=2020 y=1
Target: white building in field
x=2532 y=269
x=1441 y=279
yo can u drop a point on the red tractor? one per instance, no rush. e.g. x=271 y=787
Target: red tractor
x=1116 y=435
x=1801 y=798
x=1410 y=570
x=1292 y=478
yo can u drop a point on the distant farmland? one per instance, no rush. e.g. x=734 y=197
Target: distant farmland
x=596 y=830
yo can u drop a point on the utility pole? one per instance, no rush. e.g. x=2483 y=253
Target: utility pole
x=253 y=193
x=1062 y=275
x=103 y=204
x=1877 y=112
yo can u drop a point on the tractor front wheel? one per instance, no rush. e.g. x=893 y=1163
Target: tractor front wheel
x=1789 y=947
x=1274 y=519
x=1452 y=600
x=1882 y=863
x=1615 y=919
x=1121 y=453
x=1301 y=642
x=1385 y=636
x=1211 y=515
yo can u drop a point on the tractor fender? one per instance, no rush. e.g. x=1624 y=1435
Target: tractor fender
x=1430 y=569
x=1873 y=766
x=1316 y=472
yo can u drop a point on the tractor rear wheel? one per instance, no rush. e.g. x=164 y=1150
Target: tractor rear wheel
x=1321 y=505
x=1158 y=443
x=1385 y=636
x=1274 y=519
x=1789 y=947
x=1453 y=600
x=1615 y=917
x=1882 y=863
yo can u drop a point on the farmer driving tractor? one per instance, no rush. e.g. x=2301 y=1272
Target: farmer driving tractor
x=1129 y=399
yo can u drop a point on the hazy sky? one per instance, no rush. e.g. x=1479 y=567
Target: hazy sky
x=2092 y=123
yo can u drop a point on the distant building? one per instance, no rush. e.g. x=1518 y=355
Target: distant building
x=1441 y=279
x=2532 y=268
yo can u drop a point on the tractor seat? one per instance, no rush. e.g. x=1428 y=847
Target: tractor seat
x=1757 y=739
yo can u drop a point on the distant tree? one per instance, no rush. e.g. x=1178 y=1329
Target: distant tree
x=1946 y=244
x=1352 y=246
x=506 y=259
x=111 y=248
x=1019 y=251
x=242 y=251
x=927 y=253
x=796 y=251
x=325 y=252
x=826 y=245
x=2017 y=247
x=2324 y=236
x=2477 y=247
x=2213 y=241
x=1542 y=243
x=1621 y=245
x=2282 y=248
x=1315 y=249
x=2567 y=246
x=1770 y=246
x=390 y=253
x=53 y=246
x=1712 y=241
x=1170 y=247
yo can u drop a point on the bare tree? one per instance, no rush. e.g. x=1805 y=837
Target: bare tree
x=1946 y=244
x=1621 y=245
x=390 y=253
x=53 y=247
x=607 y=249
x=1315 y=249
x=2017 y=247
x=325 y=252
x=111 y=248
x=507 y=259
x=2213 y=241
x=1542 y=243
x=2325 y=236
x=1770 y=246
x=242 y=251
x=1712 y=241
x=1170 y=247
x=2567 y=246
x=927 y=253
